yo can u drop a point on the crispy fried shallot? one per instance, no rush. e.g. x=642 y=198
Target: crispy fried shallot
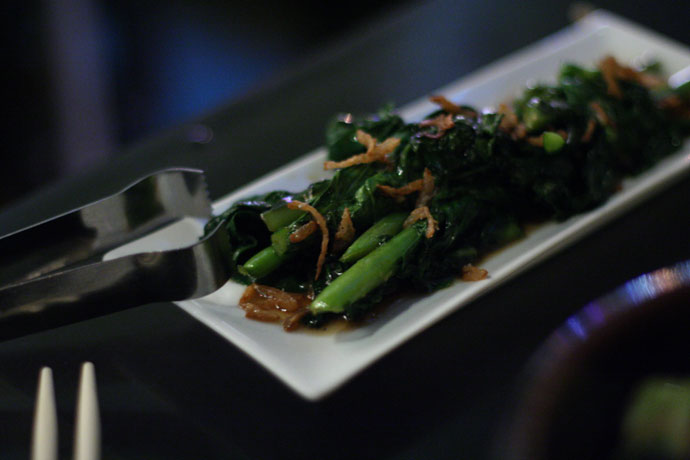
x=375 y=151
x=442 y=123
x=292 y=322
x=278 y=298
x=449 y=107
x=612 y=71
x=322 y=225
x=472 y=273
x=520 y=132
x=425 y=186
x=648 y=80
x=269 y=304
x=676 y=106
x=345 y=233
x=609 y=71
x=510 y=120
x=589 y=131
x=400 y=192
x=420 y=214
x=600 y=114
x=510 y=123
x=257 y=314
x=537 y=141
x=303 y=232
x=427 y=190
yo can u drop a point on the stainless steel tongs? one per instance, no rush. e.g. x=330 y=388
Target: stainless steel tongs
x=53 y=273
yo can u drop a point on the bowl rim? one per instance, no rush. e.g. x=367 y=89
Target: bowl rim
x=547 y=372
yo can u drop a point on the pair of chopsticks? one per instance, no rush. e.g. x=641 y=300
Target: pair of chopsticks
x=87 y=431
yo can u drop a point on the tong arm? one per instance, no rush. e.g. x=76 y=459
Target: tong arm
x=100 y=288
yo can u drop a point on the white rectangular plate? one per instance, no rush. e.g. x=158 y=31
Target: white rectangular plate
x=316 y=364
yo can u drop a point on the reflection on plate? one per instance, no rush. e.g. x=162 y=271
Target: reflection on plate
x=315 y=364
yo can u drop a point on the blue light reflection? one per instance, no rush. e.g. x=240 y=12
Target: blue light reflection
x=199 y=68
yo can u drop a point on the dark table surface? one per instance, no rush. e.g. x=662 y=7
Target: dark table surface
x=171 y=388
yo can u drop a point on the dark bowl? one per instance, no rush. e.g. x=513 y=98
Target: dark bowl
x=580 y=382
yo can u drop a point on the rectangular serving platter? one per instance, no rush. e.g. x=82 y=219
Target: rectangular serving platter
x=314 y=365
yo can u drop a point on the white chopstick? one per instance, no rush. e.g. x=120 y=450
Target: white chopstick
x=87 y=431
x=44 y=441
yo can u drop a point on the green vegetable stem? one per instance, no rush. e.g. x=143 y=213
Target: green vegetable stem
x=372 y=238
x=280 y=240
x=263 y=263
x=368 y=273
x=278 y=217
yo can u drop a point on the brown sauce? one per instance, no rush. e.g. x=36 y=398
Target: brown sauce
x=340 y=324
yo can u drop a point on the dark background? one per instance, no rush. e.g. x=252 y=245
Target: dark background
x=85 y=78
x=102 y=93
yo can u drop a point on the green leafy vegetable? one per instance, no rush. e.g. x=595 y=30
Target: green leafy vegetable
x=562 y=150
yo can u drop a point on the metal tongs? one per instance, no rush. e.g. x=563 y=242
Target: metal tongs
x=53 y=273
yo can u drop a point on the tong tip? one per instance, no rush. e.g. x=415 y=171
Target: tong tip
x=44 y=441
x=87 y=432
